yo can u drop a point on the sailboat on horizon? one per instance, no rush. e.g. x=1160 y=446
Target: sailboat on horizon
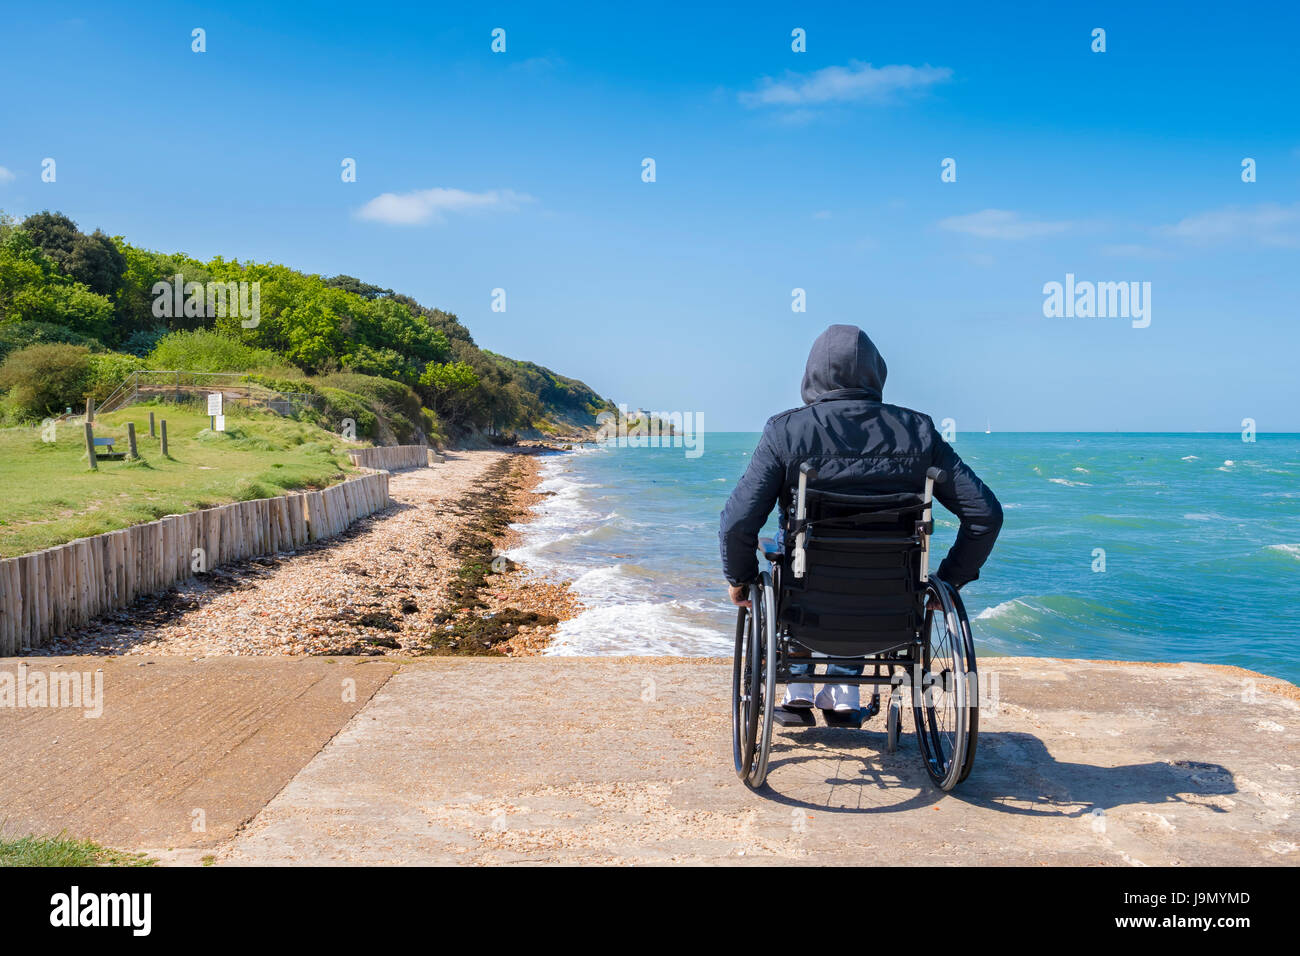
x=988 y=429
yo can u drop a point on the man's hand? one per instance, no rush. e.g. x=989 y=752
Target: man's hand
x=739 y=594
x=934 y=604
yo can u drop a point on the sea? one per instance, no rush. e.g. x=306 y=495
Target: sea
x=1137 y=547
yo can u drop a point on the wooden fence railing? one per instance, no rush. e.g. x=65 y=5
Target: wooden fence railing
x=48 y=593
x=393 y=457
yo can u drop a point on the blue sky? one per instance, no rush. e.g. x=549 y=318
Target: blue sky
x=775 y=170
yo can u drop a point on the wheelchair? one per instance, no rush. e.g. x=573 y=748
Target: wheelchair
x=849 y=583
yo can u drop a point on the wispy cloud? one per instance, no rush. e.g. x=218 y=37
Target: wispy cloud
x=1002 y=224
x=843 y=84
x=538 y=64
x=1269 y=223
x=432 y=205
x=6 y=176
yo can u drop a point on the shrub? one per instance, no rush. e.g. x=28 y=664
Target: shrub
x=143 y=341
x=396 y=407
x=381 y=389
x=107 y=371
x=341 y=405
x=201 y=350
x=65 y=303
x=44 y=379
x=290 y=385
x=19 y=335
x=431 y=425
x=386 y=363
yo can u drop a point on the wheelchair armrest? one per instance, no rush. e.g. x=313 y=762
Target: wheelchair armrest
x=771 y=550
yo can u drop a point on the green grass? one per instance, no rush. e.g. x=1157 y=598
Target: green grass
x=50 y=495
x=61 y=851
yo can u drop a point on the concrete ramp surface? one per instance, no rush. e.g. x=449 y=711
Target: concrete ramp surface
x=185 y=751
x=622 y=761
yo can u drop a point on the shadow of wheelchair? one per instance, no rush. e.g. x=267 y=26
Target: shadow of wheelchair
x=1014 y=773
x=797 y=772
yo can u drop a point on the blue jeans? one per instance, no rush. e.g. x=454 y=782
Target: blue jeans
x=832 y=670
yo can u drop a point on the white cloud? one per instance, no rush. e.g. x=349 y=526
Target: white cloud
x=843 y=84
x=1002 y=224
x=6 y=176
x=431 y=205
x=1269 y=223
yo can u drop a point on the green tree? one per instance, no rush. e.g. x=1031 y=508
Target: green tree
x=357 y=287
x=96 y=263
x=451 y=386
x=54 y=233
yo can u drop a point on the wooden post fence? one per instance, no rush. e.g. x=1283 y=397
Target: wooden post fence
x=50 y=592
x=391 y=457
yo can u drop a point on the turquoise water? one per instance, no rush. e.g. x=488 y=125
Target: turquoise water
x=1201 y=535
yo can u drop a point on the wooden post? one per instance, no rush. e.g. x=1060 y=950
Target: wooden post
x=152 y=433
x=90 y=446
x=164 y=435
x=59 y=589
x=8 y=629
x=130 y=441
x=90 y=410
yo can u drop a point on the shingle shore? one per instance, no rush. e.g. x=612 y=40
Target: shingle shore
x=377 y=589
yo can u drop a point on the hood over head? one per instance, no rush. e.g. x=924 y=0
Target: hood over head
x=843 y=363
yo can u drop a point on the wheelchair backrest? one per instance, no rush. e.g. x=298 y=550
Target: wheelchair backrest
x=861 y=591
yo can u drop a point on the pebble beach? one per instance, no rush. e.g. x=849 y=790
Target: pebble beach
x=415 y=579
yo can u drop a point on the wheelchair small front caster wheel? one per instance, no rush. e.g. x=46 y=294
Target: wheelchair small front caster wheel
x=892 y=724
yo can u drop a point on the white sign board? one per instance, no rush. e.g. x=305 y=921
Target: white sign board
x=220 y=422
x=214 y=403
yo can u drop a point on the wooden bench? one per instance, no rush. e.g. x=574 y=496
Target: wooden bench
x=110 y=454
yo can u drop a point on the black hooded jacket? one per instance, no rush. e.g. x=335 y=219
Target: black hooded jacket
x=859 y=445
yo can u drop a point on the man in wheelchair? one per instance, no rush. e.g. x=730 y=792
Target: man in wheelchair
x=847 y=471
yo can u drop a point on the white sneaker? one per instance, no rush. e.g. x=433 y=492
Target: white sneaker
x=838 y=697
x=798 y=695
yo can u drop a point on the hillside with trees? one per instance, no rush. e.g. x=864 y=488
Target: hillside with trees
x=79 y=312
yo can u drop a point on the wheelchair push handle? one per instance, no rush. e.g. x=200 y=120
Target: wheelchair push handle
x=807 y=473
x=932 y=474
x=798 y=563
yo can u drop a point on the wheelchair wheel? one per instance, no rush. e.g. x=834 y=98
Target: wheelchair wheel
x=753 y=684
x=744 y=724
x=764 y=600
x=944 y=690
x=972 y=684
